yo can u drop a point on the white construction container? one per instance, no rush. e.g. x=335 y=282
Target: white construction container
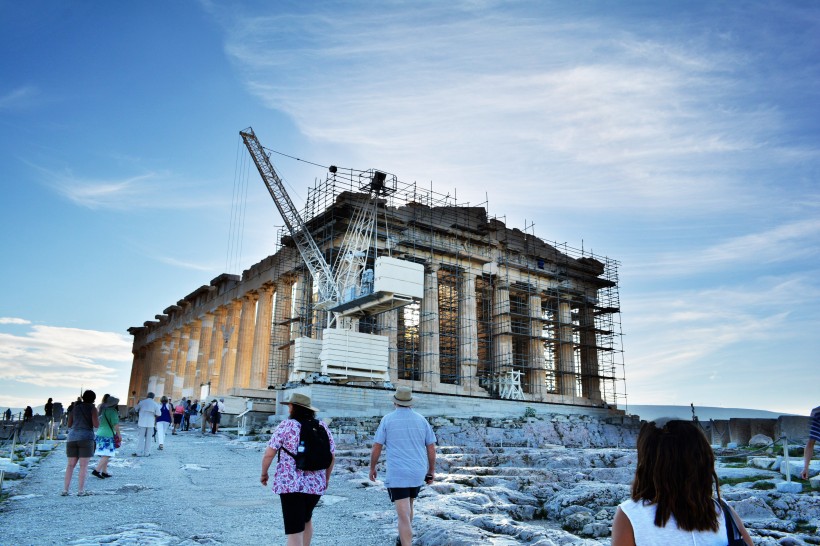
x=399 y=277
x=353 y=355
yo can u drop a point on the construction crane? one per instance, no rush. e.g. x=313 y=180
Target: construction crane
x=349 y=291
x=309 y=250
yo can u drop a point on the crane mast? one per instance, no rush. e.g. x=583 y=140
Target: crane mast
x=309 y=250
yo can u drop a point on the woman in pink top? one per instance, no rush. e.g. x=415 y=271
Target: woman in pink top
x=298 y=490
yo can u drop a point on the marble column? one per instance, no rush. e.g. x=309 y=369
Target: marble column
x=179 y=363
x=388 y=325
x=201 y=375
x=231 y=331
x=429 y=330
x=590 y=374
x=188 y=387
x=244 y=348
x=566 y=357
x=281 y=331
x=261 y=339
x=468 y=334
x=537 y=377
x=502 y=328
x=170 y=366
x=218 y=342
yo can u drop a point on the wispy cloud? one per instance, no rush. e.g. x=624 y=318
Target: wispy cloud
x=12 y=320
x=634 y=121
x=678 y=336
x=152 y=190
x=187 y=265
x=57 y=357
x=792 y=241
x=19 y=97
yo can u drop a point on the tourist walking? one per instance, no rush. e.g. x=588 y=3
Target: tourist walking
x=49 y=408
x=147 y=411
x=206 y=417
x=411 y=458
x=28 y=413
x=672 y=500
x=299 y=490
x=179 y=413
x=166 y=410
x=79 y=446
x=217 y=408
x=192 y=415
x=814 y=437
x=109 y=428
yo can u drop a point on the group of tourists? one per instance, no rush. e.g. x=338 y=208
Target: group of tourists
x=156 y=419
x=675 y=497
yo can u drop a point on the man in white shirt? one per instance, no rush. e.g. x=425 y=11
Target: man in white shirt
x=148 y=410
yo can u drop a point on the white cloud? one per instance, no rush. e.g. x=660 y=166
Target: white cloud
x=11 y=320
x=57 y=357
x=155 y=189
x=634 y=122
x=791 y=241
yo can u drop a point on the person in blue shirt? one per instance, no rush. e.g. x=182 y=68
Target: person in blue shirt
x=814 y=436
x=411 y=458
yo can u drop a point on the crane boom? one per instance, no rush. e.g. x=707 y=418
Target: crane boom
x=313 y=257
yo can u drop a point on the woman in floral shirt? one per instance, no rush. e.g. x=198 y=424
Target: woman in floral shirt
x=299 y=490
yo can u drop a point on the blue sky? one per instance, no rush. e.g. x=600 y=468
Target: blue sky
x=681 y=139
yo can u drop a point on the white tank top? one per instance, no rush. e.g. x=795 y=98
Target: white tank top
x=642 y=518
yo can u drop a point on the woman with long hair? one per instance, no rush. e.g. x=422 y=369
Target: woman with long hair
x=104 y=441
x=672 y=494
x=298 y=490
x=79 y=446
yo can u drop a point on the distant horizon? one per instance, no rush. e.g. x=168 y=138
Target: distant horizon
x=645 y=411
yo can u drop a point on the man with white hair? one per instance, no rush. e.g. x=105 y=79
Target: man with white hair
x=148 y=410
x=411 y=458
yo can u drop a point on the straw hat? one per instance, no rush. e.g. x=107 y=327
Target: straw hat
x=403 y=397
x=299 y=399
x=111 y=402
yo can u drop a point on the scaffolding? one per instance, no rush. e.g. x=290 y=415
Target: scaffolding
x=507 y=304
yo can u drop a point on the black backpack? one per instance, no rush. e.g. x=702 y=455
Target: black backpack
x=316 y=454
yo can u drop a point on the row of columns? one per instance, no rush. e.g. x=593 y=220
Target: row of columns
x=245 y=343
x=229 y=346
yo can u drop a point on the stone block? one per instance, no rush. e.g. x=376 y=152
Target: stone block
x=759 y=440
x=789 y=487
x=815 y=482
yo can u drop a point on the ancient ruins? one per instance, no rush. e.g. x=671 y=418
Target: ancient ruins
x=504 y=315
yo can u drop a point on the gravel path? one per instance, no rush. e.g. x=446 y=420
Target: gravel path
x=201 y=489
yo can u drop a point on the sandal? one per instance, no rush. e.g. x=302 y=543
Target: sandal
x=105 y=474
x=96 y=473
x=84 y=494
x=64 y=494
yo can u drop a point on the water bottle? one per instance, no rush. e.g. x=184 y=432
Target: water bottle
x=301 y=448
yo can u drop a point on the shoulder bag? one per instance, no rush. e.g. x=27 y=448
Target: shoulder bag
x=117 y=437
x=732 y=531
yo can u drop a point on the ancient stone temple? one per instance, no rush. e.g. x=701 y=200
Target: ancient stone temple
x=504 y=314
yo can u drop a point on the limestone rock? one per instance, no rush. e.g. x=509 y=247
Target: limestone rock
x=759 y=440
x=752 y=508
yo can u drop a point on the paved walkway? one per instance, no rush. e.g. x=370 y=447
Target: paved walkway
x=201 y=489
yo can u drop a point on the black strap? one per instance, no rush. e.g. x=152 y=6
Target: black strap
x=732 y=531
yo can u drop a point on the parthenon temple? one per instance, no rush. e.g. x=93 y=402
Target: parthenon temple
x=503 y=315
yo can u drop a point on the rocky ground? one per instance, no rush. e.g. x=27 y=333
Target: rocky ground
x=499 y=484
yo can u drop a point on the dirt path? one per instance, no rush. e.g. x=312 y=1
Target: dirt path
x=201 y=489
